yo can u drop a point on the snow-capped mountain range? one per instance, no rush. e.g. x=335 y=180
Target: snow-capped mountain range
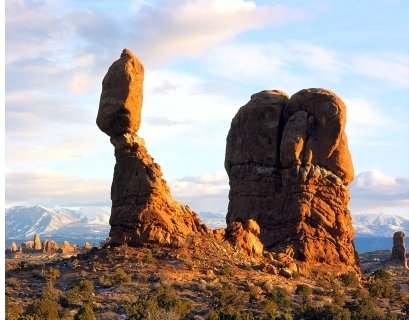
x=24 y=222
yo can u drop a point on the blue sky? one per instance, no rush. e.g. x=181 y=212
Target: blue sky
x=203 y=59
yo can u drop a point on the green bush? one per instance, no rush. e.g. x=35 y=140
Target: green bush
x=405 y=309
x=382 y=275
x=327 y=312
x=303 y=290
x=43 y=309
x=350 y=280
x=381 y=289
x=85 y=312
x=280 y=297
x=121 y=276
x=161 y=303
x=364 y=309
x=230 y=300
x=13 y=310
x=80 y=292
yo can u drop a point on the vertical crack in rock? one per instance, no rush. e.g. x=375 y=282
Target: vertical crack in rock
x=289 y=168
x=143 y=210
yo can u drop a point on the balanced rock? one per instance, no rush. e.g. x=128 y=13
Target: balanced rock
x=121 y=98
x=398 y=255
x=289 y=168
x=143 y=210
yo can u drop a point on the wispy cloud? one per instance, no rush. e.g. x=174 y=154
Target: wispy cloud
x=54 y=188
x=208 y=192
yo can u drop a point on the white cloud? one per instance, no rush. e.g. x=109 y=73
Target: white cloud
x=390 y=67
x=373 y=191
x=53 y=188
x=183 y=29
x=204 y=193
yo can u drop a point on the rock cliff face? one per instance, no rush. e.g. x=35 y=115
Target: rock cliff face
x=143 y=210
x=398 y=255
x=289 y=168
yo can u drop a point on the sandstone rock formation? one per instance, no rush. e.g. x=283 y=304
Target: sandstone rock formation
x=49 y=246
x=142 y=208
x=13 y=247
x=245 y=237
x=67 y=248
x=289 y=168
x=398 y=255
x=37 y=242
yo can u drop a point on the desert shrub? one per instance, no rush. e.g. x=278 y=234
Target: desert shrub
x=232 y=315
x=43 y=309
x=121 y=276
x=13 y=282
x=350 y=280
x=105 y=280
x=226 y=270
x=303 y=290
x=229 y=299
x=364 y=309
x=382 y=275
x=13 y=310
x=85 y=312
x=82 y=291
x=280 y=297
x=405 y=309
x=149 y=258
x=381 y=289
x=327 y=312
x=161 y=303
x=338 y=297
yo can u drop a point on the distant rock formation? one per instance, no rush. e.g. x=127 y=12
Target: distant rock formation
x=67 y=248
x=13 y=247
x=289 y=168
x=142 y=208
x=37 y=242
x=49 y=246
x=398 y=255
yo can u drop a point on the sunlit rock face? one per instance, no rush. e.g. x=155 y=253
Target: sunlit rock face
x=289 y=168
x=143 y=210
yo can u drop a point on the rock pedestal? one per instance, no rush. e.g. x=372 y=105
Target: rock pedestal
x=143 y=210
x=398 y=255
x=289 y=168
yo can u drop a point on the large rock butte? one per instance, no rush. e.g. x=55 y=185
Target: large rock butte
x=143 y=210
x=289 y=168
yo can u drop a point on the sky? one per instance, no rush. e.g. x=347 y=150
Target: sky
x=203 y=60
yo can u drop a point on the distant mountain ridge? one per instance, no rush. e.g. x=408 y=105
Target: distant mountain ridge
x=23 y=222
x=379 y=224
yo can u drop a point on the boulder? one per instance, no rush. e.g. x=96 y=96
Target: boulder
x=245 y=237
x=121 y=98
x=289 y=169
